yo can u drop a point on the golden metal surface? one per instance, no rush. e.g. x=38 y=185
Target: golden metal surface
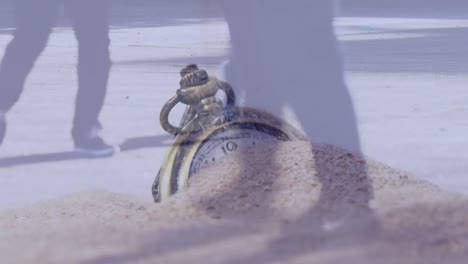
x=203 y=117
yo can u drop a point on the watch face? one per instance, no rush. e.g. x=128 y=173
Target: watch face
x=228 y=139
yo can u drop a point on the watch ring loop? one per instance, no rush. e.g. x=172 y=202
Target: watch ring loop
x=164 y=116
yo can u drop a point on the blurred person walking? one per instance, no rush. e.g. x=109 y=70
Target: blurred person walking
x=285 y=54
x=34 y=22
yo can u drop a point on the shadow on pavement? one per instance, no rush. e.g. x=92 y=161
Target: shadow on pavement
x=432 y=50
x=129 y=144
x=137 y=143
x=413 y=51
x=136 y=13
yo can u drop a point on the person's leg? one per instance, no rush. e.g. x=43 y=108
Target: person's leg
x=2 y=126
x=285 y=53
x=34 y=21
x=90 y=20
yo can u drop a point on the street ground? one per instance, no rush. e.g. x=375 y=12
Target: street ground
x=407 y=75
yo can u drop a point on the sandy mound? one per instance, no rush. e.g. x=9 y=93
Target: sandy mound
x=269 y=204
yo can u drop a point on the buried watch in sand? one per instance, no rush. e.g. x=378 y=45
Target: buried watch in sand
x=209 y=131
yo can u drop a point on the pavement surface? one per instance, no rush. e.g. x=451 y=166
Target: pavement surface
x=407 y=74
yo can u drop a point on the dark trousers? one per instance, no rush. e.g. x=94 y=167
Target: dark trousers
x=34 y=22
x=284 y=53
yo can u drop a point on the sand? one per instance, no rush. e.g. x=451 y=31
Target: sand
x=269 y=204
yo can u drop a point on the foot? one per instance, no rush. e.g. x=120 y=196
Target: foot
x=93 y=145
x=2 y=126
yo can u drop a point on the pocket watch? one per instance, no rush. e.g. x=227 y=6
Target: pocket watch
x=210 y=130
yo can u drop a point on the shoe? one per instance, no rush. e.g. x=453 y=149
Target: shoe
x=93 y=145
x=2 y=127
